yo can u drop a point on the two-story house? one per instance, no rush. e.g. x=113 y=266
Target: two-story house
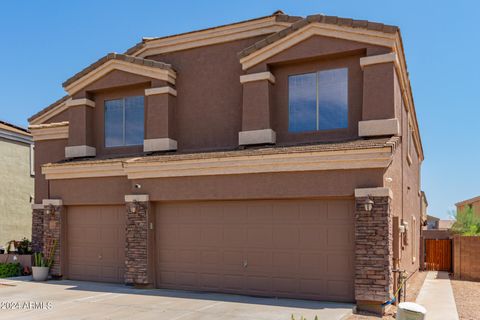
x=278 y=156
x=16 y=187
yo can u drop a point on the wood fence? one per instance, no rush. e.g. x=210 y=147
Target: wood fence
x=466 y=258
x=438 y=255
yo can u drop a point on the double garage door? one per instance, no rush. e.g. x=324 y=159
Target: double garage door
x=283 y=248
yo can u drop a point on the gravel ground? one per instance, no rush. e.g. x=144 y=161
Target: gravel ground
x=467 y=296
x=414 y=284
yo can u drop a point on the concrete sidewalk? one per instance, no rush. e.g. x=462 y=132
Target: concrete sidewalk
x=80 y=300
x=437 y=297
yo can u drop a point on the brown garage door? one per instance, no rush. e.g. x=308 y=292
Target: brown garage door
x=96 y=243
x=286 y=248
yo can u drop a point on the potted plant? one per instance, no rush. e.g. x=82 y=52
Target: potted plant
x=41 y=265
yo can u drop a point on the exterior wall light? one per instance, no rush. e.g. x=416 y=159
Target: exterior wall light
x=369 y=204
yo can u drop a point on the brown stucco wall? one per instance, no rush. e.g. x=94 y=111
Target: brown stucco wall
x=339 y=183
x=91 y=191
x=45 y=152
x=378 y=91
x=405 y=185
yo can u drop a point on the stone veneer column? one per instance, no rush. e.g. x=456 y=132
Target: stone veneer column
x=256 y=109
x=52 y=232
x=37 y=227
x=137 y=240
x=373 y=249
x=160 y=119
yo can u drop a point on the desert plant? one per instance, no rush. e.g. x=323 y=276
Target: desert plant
x=467 y=223
x=39 y=259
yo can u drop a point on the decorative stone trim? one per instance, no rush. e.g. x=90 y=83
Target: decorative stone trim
x=373 y=192
x=52 y=202
x=137 y=197
x=52 y=232
x=257 y=77
x=100 y=71
x=50 y=131
x=136 y=242
x=378 y=59
x=161 y=90
x=256 y=137
x=384 y=127
x=160 y=144
x=320 y=29
x=80 y=102
x=79 y=151
x=373 y=253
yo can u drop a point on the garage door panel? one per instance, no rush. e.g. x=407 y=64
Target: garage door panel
x=211 y=213
x=259 y=236
x=340 y=210
x=188 y=235
x=285 y=248
x=286 y=285
x=259 y=213
x=338 y=264
x=234 y=236
x=286 y=237
x=338 y=288
x=313 y=237
x=339 y=236
x=259 y=284
x=313 y=264
x=96 y=243
x=286 y=212
x=212 y=235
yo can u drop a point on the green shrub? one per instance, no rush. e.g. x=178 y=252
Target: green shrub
x=467 y=223
x=10 y=270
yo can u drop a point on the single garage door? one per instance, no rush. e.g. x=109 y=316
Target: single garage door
x=283 y=248
x=96 y=243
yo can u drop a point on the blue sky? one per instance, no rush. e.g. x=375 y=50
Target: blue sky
x=44 y=42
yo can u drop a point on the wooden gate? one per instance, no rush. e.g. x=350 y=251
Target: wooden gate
x=438 y=255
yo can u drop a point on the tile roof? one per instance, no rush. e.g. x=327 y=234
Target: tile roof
x=358 y=144
x=279 y=15
x=50 y=107
x=13 y=128
x=120 y=57
x=320 y=18
x=468 y=201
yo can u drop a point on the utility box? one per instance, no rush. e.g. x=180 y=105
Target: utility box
x=411 y=311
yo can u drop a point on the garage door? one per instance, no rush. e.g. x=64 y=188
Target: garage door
x=287 y=248
x=96 y=243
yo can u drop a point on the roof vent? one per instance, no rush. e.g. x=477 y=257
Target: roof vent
x=278 y=12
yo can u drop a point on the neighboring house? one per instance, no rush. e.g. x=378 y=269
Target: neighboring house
x=277 y=156
x=16 y=187
x=473 y=203
x=432 y=222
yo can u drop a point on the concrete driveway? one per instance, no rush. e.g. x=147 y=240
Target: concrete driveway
x=67 y=299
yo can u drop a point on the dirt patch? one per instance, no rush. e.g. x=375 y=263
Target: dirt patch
x=414 y=284
x=467 y=295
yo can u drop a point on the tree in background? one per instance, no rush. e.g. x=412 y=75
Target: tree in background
x=467 y=223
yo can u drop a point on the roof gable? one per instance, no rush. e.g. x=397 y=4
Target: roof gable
x=114 y=61
x=347 y=29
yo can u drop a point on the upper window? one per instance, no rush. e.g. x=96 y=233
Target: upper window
x=318 y=101
x=124 y=124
